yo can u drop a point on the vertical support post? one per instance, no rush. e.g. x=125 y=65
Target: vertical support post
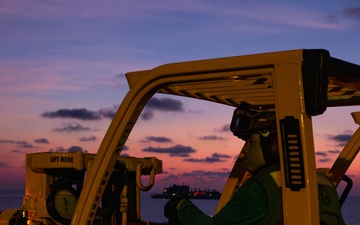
x=289 y=102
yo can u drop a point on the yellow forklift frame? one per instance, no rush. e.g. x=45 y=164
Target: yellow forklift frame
x=298 y=84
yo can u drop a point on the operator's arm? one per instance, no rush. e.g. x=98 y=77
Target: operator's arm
x=248 y=205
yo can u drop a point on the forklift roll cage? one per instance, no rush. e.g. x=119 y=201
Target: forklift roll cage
x=297 y=84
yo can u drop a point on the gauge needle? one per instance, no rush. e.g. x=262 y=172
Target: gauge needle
x=66 y=205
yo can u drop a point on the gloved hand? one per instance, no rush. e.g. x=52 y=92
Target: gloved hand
x=170 y=210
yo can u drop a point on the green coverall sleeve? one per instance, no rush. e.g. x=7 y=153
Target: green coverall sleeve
x=248 y=205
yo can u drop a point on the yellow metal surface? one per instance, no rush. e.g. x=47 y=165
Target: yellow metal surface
x=40 y=177
x=233 y=182
x=290 y=101
x=55 y=160
x=7 y=215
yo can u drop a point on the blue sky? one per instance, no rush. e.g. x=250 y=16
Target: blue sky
x=73 y=55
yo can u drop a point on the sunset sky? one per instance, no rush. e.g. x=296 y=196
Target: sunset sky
x=62 y=66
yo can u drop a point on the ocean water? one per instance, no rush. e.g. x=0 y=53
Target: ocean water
x=350 y=209
x=153 y=209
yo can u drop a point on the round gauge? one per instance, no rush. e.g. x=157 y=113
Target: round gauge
x=61 y=204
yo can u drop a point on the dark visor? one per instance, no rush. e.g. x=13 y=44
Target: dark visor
x=246 y=122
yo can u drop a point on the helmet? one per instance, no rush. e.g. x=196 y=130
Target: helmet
x=245 y=122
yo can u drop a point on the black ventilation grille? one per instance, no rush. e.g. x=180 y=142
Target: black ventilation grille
x=293 y=155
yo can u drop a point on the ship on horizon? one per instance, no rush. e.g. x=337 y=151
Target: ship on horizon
x=185 y=191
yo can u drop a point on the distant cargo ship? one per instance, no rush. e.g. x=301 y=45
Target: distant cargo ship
x=184 y=191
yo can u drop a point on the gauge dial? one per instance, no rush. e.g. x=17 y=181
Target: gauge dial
x=61 y=204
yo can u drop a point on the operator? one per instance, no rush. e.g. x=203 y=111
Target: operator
x=258 y=200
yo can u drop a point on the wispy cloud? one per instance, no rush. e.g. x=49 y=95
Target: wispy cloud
x=326 y=156
x=81 y=114
x=353 y=12
x=19 y=144
x=72 y=127
x=197 y=175
x=334 y=151
x=163 y=105
x=76 y=149
x=341 y=139
x=324 y=160
x=212 y=138
x=177 y=150
x=156 y=139
x=17 y=151
x=108 y=112
x=4 y=164
x=278 y=16
x=27 y=146
x=321 y=153
x=45 y=77
x=71 y=149
x=224 y=128
x=85 y=139
x=42 y=141
x=8 y=141
x=243 y=12
x=214 y=158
